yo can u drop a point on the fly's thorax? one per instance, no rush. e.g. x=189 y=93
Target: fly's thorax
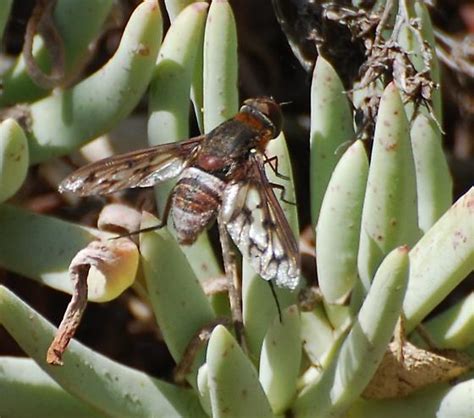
x=196 y=200
x=226 y=149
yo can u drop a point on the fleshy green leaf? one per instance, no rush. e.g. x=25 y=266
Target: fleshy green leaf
x=433 y=179
x=27 y=391
x=316 y=333
x=221 y=99
x=389 y=216
x=338 y=230
x=49 y=249
x=78 y=23
x=180 y=305
x=453 y=327
x=68 y=119
x=171 y=82
x=440 y=260
x=363 y=349
x=233 y=380
x=440 y=401
x=331 y=127
x=14 y=158
x=112 y=388
x=280 y=360
x=174 y=7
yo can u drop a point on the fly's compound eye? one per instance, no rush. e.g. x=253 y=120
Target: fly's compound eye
x=267 y=110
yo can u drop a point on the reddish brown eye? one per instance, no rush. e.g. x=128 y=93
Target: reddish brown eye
x=273 y=112
x=266 y=109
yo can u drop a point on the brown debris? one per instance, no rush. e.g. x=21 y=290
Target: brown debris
x=42 y=22
x=102 y=255
x=201 y=337
x=309 y=297
x=72 y=317
x=397 y=377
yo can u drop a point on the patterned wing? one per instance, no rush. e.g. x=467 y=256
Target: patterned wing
x=256 y=223
x=142 y=168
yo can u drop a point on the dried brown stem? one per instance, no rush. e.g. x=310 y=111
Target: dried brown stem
x=183 y=368
x=41 y=22
x=457 y=54
x=384 y=19
x=72 y=316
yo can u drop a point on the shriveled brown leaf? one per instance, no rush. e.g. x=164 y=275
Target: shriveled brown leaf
x=398 y=376
x=42 y=22
x=201 y=337
x=108 y=258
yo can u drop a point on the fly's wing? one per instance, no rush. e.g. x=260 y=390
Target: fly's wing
x=256 y=223
x=142 y=168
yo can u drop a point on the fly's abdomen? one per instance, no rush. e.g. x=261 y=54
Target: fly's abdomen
x=196 y=199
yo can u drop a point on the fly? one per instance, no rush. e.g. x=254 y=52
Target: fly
x=220 y=175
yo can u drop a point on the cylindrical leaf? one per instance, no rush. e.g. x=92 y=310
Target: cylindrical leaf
x=434 y=182
x=453 y=327
x=203 y=387
x=109 y=387
x=78 y=23
x=389 y=216
x=27 y=391
x=331 y=127
x=338 y=230
x=440 y=401
x=433 y=179
x=440 y=260
x=280 y=360
x=317 y=334
x=171 y=82
x=233 y=380
x=14 y=158
x=363 y=349
x=221 y=98
x=69 y=118
x=50 y=249
x=260 y=308
x=180 y=305
x=174 y=7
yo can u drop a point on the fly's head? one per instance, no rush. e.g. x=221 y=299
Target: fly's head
x=267 y=112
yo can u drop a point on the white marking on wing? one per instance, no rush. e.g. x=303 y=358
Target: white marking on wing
x=252 y=226
x=165 y=172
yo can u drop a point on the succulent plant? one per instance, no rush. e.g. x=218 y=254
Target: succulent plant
x=389 y=244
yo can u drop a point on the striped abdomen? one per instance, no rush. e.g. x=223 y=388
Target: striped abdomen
x=196 y=199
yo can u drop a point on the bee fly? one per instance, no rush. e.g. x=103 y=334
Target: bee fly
x=221 y=174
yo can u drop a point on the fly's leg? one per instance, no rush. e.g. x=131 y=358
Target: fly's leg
x=275 y=168
x=282 y=194
x=160 y=225
x=275 y=298
x=234 y=285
